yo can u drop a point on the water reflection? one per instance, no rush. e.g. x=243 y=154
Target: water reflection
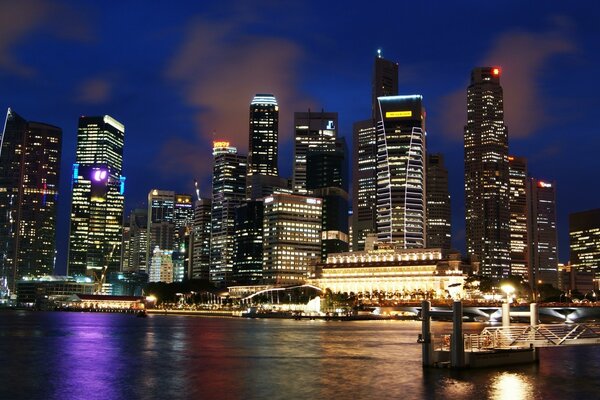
x=112 y=356
x=511 y=386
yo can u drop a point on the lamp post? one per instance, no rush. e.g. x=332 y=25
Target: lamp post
x=509 y=290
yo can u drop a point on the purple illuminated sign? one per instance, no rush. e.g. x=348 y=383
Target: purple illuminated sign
x=99 y=175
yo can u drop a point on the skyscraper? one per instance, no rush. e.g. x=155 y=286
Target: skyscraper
x=264 y=131
x=401 y=190
x=385 y=82
x=438 y=203
x=161 y=221
x=138 y=240
x=29 y=171
x=519 y=217
x=313 y=130
x=584 y=234
x=228 y=192
x=292 y=237
x=364 y=154
x=327 y=178
x=543 y=255
x=248 y=243
x=201 y=239
x=98 y=196
x=486 y=174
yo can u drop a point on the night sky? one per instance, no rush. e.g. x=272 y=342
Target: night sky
x=179 y=74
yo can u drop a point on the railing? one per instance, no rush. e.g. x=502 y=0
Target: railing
x=518 y=337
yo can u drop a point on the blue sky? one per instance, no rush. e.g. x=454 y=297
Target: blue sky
x=179 y=74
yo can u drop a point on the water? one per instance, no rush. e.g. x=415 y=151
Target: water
x=116 y=356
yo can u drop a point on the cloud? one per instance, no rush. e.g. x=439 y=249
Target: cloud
x=219 y=68
x=522 y=57
x=19 y=19
x=94 y=91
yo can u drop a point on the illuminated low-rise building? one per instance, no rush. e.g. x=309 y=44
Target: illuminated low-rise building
x=387 y=269
x=292 y=237
x=584 y=233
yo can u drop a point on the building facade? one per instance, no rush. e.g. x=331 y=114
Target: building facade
x=138 y=240
x=401 y=187
x=228 y=192
x=97 y=197
x=439 y=232
x=29 y=176
x=264 y=135
x=519 y=217
x=292 y=237
x=486 y=174
x=584 y=241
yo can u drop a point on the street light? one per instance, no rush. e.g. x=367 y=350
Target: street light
x=509 y=290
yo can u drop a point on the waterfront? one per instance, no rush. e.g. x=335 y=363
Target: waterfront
x=46 y=355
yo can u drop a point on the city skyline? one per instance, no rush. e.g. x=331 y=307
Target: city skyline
x=547 y=80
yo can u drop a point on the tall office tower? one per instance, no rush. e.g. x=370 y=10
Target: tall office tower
x=364 y=185
x=519 y=216
x=542 y=232
x=327 y=178
x=98 y=197
x=264 y=130
x=486 y=174
x=201 y=239
x=364 y=155
x=29 y=166
x=161 y=221
x=228 y=192
x=385 y=82
x=183 y=218
x=401 y=191
x=248 y=243
x=584 y=238
x=438 y=203
x=126 y=247
x=138 y=240
x=313 y=130
x=292 y=238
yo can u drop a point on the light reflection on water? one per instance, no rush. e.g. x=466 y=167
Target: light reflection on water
x=116 y=356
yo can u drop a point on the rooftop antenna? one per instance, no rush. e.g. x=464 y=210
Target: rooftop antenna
x=197 y=189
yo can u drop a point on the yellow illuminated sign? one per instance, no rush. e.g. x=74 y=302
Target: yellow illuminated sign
x=398 y=114
x=220 y=144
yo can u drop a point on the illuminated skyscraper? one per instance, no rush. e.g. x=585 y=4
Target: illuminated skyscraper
x=228 y=192
x=313 y=130
x=584 y=234
x=401 y=191
x=519 y=217
x=486 y=174
x=201 y=239
x=98 y=196
x=364 y=156
x=264 y=131
x=438 y=203
x=29 y=170
x=292 y=237
x=543 y=265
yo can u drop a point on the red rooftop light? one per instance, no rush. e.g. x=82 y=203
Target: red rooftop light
x=496 y=71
